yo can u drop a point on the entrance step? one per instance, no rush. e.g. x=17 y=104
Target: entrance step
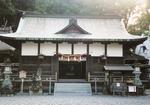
x=79 y=89
x=72 y=81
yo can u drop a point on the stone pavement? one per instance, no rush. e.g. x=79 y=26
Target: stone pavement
x=75 y=100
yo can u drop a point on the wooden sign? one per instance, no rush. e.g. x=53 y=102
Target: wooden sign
x=118 y=84
x=132 y=88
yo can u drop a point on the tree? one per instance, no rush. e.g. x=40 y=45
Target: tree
x=125 y=8
x=139 y=21
x=6 y=8
x=25 y=5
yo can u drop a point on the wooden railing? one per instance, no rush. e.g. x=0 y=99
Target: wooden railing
x=105 y=78
x=128 y=79
x=95 y=78
x=46 y=78
x=99 y=77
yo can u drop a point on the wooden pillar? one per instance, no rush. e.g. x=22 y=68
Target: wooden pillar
x=55 y=64
x=57 y=48
x=88 y=62
x=87 y=48
x=88 y=65
x=55 y=61
x=105 y=54
x=20 y=56
x=39 y=48
x=105 y=49
x=72 y=51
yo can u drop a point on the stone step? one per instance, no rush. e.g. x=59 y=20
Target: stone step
x=147 y=91
x=72 y=81
x=72 y=89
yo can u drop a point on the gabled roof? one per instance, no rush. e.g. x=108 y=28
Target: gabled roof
x=72 y=28
x=45 y=28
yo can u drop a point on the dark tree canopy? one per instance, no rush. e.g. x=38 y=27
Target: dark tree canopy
x=6 y=8
x=9 y=9
x=69 y=7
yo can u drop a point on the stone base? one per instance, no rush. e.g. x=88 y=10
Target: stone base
x=40 y=92
x=147 y=91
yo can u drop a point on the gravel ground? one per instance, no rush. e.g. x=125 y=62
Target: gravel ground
x=75 y=100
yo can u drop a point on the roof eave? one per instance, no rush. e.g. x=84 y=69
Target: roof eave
x=82 y=39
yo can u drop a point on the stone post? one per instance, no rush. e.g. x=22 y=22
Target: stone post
x=95 y=82
x=50 y=85
x=105 y=88
x=22 y=76
x=21 y=89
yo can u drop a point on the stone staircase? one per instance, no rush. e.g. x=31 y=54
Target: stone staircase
x=73 y=89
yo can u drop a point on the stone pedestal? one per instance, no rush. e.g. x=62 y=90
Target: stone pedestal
x=35 y=92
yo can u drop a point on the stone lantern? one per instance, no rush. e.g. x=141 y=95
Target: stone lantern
x=137 y=73
x=7 y=82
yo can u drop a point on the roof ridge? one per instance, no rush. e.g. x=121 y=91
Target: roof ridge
x=103 y=16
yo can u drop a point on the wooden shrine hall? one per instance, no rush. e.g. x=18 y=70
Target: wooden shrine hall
x=74 y=49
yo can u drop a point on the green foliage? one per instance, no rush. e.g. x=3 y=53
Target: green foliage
x=83 y=7
x=142 y=26
x=26 y=5
x=69 y=7
x=6 y=8
x=57 y=7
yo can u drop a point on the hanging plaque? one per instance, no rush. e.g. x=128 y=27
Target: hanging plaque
x=76 y=57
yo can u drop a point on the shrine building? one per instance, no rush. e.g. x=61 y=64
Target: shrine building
x=75 y=49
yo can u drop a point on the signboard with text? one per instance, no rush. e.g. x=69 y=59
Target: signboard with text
x=22 y=74
x=132 y=88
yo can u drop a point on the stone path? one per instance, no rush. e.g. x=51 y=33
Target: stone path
x=75 y=100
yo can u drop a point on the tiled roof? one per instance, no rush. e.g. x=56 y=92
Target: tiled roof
x=45 y=28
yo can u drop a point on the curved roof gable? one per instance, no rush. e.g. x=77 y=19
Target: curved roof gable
x=72 y=28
